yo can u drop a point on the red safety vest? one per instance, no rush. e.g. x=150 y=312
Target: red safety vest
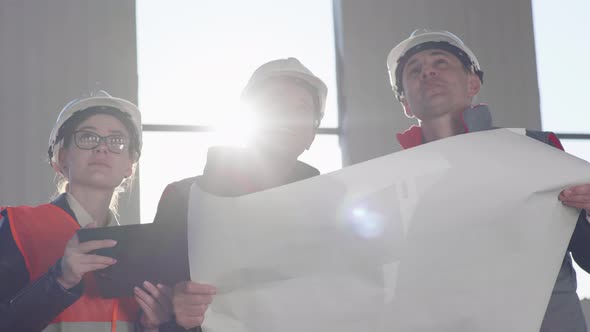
x=41 y=234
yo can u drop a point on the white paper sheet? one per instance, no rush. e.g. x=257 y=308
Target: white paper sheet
x=462 y=234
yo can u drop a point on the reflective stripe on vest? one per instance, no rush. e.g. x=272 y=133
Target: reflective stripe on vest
x=88 y=327
x=41 y=234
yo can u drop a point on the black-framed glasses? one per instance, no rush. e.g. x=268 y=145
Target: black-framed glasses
x=87 y=140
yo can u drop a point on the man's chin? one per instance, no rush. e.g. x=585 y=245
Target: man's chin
x=434 y=96
x=277 y=152
x=432 y=113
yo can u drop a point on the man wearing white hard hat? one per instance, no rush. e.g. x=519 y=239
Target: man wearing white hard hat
x=289 y=101
x=436 y=76
x=47 y=284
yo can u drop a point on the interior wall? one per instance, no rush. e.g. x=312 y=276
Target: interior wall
x=52 y=52
x=499 y=32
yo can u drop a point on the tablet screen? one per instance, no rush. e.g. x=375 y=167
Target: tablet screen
x=143 y=252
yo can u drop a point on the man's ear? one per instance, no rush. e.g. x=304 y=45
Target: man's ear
x=407 y=109
x=474 y=84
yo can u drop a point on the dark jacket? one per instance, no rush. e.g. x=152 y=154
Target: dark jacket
x=227 y=173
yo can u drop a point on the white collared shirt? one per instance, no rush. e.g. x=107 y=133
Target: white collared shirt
x=84 y=218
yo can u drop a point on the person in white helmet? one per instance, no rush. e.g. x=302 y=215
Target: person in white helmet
x=435 y=77
x=289 y=101
x=45 y=271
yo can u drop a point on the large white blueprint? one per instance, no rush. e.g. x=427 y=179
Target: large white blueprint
x=461 y=234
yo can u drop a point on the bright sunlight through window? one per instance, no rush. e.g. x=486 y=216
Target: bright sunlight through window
x=561 y=33
x=194 y=58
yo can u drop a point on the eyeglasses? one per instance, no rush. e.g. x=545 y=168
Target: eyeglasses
x=87 y=140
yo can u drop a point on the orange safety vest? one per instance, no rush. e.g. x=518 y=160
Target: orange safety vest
x=41 y=234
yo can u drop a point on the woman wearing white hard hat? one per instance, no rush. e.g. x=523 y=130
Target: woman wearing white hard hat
x=289 y=101
x=46 y=284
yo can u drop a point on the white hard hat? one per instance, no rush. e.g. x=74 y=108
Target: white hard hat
x=424 y=39
x=292 y=68
x=100 y=98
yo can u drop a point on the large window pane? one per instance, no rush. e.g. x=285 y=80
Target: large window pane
x=577 y=147
x=172 y=156
x=168 y=157
x=561 y=40
x=561 y=30
x=580 y=149
x=194 y=57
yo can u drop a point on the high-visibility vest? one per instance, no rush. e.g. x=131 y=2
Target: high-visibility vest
x=41 y=234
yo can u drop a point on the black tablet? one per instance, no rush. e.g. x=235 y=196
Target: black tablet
x=143 y=252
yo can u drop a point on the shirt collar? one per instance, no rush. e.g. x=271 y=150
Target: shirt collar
x=232 y=171
x=82 y=216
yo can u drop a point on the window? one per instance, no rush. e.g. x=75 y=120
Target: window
x=561 y=29
x=194 y=57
